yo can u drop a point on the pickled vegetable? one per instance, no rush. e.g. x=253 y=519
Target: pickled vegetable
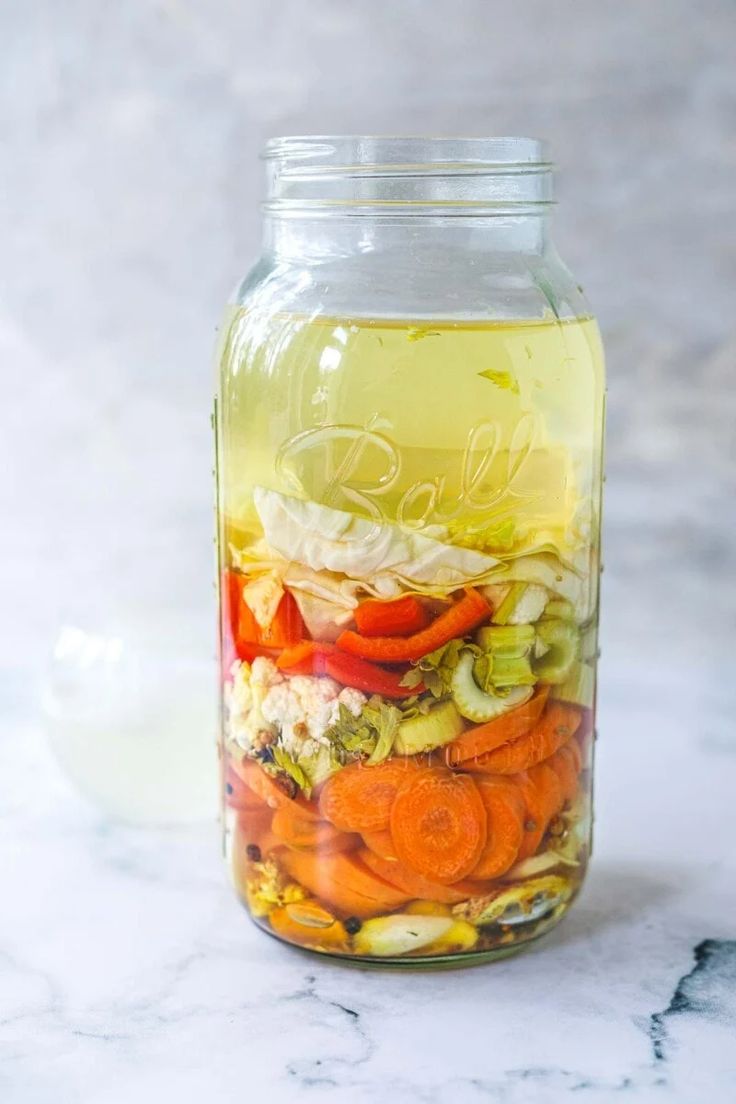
x=407 y=617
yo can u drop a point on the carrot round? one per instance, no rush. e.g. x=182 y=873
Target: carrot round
x=573 y=748
x=542 y=793
x=343 y=882
x=358 y=798
x=399 y=617
x=317 y=835
x=380 y=843
x=438 y=824
x=237 y=794
x=585 y=735
x=505 y=811
x=271 y=790
x=253 y=825
x=557 y=724
x=563 y=763
x=463 y=616
x=478 y=741
x=406 y=879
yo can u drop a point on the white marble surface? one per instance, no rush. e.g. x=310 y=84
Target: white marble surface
x=128 y=180
x=129 y=972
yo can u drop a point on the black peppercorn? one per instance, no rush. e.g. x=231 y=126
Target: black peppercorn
x=352 y=925
x=228 y=788
x=253 y=852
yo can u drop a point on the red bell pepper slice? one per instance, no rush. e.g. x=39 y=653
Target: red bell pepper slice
x=400 y=617
x=242 y=636
x=229 y=598
x=306 y=658
x=471 y=610
x=287 y=627
x=314 y=658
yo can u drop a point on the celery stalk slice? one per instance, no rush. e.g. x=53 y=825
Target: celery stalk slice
x=508 y=605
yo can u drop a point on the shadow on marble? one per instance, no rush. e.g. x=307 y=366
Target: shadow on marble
x=619 y=894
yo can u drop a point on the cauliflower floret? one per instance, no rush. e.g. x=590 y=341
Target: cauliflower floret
x=311 y=690
x=238 y=694
x=281 y=706
x=264 y=672
x=352 y=699
x=304 y=708
x=264 y=706
x=245 y=721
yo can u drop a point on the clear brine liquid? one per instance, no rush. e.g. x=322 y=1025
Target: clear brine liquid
x=492 y=430
x=408 y=470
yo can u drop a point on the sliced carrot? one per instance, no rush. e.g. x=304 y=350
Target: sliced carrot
x=358 y=798
x=585 y=735
x=547 y=782
x=307 y=657
x=459 y=619
x=343 y=882
x=470 y=747
x=505 y=810
x=438 y=824
x=543 y=798
x=253 y=825
x=275 y=793
x=564 y=765
x=573 y=747
x=237 y=794
x=399 y=617
x=558 y=723
x=406 y=879
x=247 y=652
x=317 y=835
x=252 y=842
x=380 y=843
x=241 y=865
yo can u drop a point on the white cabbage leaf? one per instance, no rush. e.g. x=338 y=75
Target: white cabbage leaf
x=386 y=556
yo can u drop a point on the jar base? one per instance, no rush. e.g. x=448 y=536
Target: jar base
x=457 y=961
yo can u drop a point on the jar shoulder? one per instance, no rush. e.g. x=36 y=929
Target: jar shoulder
x=451 y=284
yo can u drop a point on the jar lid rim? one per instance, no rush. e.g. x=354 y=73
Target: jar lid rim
x=345 y=150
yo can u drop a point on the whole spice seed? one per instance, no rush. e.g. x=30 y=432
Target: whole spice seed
x=253 y=852
x=352 y=925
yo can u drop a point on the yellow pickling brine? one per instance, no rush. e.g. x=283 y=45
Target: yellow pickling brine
x=409 y=434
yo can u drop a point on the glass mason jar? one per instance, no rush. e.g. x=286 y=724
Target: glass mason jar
x=409 y=434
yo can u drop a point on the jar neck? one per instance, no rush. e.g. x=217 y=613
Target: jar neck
x=311 y=239
x=328 y=197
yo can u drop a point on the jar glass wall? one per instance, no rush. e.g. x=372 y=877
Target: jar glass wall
x=409 y=421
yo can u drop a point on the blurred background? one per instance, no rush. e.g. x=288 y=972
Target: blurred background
x=129 y=188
